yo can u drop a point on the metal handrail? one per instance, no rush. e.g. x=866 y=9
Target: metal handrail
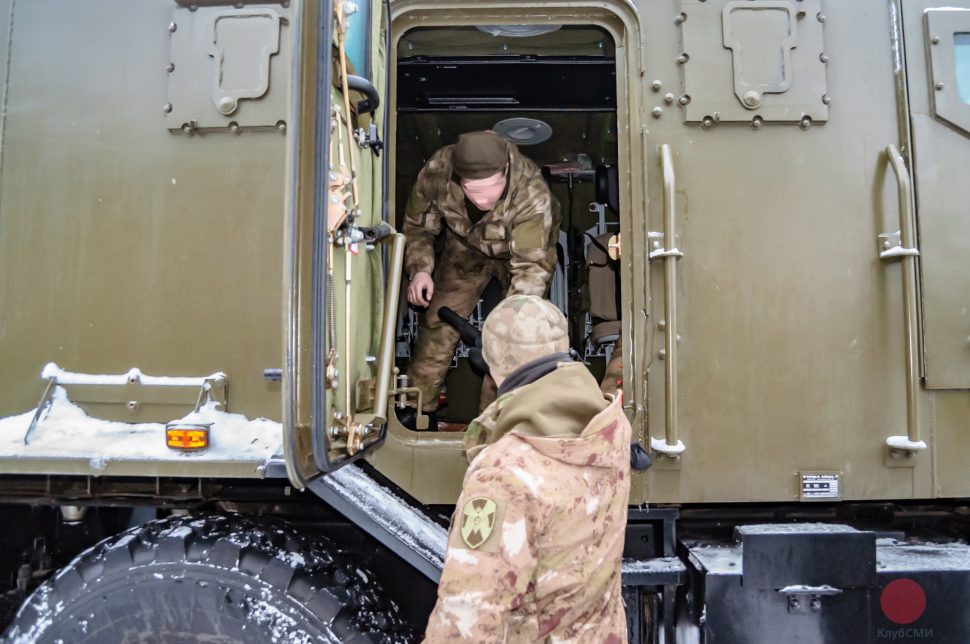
x=670 y=445
x=907 y=254
x=385 y=356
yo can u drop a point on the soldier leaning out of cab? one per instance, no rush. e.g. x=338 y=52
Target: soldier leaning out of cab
x=499 y=220
x=537 y=536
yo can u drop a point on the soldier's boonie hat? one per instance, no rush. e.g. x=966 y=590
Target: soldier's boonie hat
x=478 y=155
x=522 y=328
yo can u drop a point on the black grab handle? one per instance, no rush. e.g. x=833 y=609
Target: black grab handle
x=372 y=101
x=471 y=336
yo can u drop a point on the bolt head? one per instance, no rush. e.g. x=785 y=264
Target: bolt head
x=172 y=27
x=227 y=104
x=826 y=99
x=656 y=85
x=657 y=112
x=935 y=40
x=167 y=108
x=668 y=98
x=751 y=99
x=170 y=68
x=939 y=86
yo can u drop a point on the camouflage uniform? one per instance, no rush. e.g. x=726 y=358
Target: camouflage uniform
x=537 y=536
x=515 y=242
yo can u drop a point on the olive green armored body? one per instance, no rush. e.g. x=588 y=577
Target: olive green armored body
x=200 y=205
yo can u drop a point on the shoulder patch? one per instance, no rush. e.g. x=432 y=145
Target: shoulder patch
x=528 y=235
x=478 y=518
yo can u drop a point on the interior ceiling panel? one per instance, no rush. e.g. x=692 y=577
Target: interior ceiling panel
x=592 y=133
x=470 y=41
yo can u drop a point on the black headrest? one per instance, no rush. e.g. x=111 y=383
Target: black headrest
x=608 y=187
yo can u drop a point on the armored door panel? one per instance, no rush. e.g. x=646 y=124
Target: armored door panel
x=777 y=352
x=342 y=255
x=938 y=68
x=938 y=75
x=123 y=244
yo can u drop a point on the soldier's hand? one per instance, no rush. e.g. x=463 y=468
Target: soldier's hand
x=421 y=289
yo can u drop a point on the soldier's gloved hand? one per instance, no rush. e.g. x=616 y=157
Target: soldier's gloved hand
x=421 y=289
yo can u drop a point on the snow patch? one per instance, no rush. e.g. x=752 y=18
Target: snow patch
x=63 y=377
x=282 y=627
x=67 y=431
x=292 y=559
x=392 y=513
x=178 y=532
x=657 y=565
x=795 y=528
x=920 y=556
x=717 y=559
x=591 y=506
x=802 y=589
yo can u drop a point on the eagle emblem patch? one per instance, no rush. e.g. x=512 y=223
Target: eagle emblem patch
x=477 y=521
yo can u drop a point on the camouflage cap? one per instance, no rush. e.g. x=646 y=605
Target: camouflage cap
x=478 y=155
x=522 y=328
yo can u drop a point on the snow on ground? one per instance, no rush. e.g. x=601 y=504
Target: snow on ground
x=67 y=431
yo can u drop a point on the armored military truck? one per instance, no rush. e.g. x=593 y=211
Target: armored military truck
x=203 y=341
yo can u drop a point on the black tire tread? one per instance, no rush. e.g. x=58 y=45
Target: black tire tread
x=308 y=569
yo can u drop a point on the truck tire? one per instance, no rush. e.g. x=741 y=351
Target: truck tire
x=211 y=579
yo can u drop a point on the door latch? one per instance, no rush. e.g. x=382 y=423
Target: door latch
x=370 y=138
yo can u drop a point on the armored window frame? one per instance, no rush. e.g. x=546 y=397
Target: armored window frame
x=942 y=27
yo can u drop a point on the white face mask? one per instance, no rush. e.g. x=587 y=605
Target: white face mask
x=484 y=193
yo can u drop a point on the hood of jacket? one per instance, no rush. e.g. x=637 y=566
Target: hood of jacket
x=562 y=415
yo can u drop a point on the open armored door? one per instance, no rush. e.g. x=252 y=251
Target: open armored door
x=341 y=255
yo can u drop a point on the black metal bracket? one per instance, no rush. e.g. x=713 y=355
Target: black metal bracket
x=369 y=138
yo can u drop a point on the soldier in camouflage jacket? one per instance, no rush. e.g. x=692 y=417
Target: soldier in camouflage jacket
x=537 y=537
x=510 y=235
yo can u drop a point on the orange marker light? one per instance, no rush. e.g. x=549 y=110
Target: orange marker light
x=187 y=436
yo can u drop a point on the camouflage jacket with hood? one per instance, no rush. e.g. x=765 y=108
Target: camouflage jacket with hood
x=522 y=228
x=537 y=537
